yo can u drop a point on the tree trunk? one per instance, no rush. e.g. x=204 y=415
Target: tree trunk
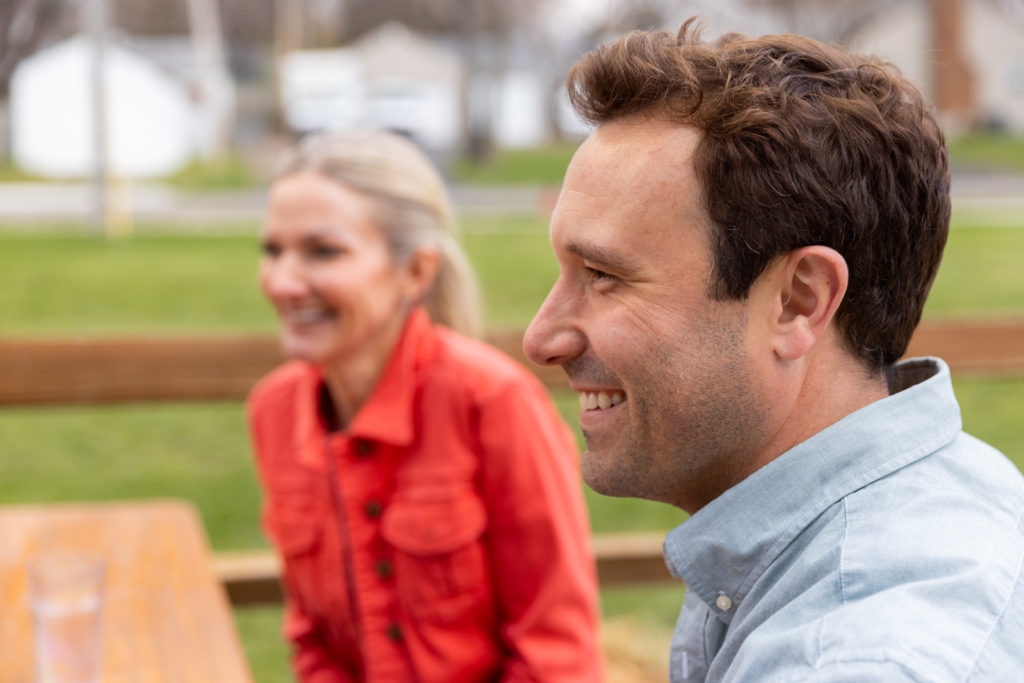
x=215 y=80
x=5 y=131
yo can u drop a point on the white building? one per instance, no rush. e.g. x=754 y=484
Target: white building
x=390 y=78
x=399 y=79
x=152 y=124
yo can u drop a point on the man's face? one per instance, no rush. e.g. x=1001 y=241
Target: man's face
x=671 y=410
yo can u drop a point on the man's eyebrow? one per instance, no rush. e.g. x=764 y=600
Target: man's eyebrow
x=603 y=258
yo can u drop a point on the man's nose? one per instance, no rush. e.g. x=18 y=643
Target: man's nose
x=552 y=338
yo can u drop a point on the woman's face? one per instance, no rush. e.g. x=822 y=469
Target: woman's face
x=327 y=271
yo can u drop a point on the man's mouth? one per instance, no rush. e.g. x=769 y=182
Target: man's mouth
x=600 y=400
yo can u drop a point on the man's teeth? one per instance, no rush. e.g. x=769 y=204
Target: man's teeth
x=600 y=400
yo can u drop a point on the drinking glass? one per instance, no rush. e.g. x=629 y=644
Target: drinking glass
x=66 y=593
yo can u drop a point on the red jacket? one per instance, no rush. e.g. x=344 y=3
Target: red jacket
x=442 y=536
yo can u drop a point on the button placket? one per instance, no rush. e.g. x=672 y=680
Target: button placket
x=373 y=509
x=363 y=448
x=384 y=568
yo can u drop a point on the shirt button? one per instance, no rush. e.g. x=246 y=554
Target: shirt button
x=395 y=633
x=373 y=509
x=363 y=447
x=383 y=569
x=723 y=602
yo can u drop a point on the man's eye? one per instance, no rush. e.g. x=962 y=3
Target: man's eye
x=597 y=275
x=270 y=249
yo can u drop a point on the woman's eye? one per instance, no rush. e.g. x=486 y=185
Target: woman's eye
x=325 y=251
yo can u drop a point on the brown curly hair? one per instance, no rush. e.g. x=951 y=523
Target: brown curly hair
x=802 y=144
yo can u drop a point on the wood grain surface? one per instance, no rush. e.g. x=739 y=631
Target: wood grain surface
x=165 y=616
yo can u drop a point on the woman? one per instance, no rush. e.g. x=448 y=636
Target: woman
x=419 y=485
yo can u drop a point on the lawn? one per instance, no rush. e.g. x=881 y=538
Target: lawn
x=988 y=151
x=979 y=151
x=167 y=283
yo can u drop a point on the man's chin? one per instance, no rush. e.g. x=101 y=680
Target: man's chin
x=600 y=474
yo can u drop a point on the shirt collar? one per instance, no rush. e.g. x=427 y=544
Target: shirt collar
x=387 y=415
x=726 y=546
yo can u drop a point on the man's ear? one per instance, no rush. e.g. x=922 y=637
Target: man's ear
x=811 y=285
x=421 y=270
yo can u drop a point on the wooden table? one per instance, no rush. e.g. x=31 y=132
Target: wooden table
x=166 y=617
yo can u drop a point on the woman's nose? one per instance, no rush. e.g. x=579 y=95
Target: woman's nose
x=281 y=277
x=552 y=338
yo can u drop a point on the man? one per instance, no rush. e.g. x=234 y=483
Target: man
x=745 y=244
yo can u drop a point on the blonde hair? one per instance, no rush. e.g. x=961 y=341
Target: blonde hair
x=411 y=206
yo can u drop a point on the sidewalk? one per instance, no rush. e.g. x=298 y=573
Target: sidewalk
x=33 y=203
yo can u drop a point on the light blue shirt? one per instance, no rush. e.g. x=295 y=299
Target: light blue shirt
x=887 y=547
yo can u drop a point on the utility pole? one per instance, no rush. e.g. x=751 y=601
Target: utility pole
x=96 y=21
x=214 y=79
x=289 y=34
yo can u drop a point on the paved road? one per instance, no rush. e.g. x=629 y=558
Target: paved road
x=30 y=204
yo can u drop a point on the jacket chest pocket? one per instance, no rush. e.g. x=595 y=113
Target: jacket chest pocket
x=297 y=532
x=440 y=564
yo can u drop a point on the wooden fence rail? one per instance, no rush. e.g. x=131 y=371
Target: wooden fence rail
x=105 y=370
x=111 y=370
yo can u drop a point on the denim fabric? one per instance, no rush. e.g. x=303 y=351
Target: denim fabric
x=887 y=547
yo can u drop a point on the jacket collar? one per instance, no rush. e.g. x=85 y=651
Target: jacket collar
x=387 y=415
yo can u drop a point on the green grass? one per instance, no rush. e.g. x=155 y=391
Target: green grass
x=267 y=652
x=546 y=165
x=11 y=173
x=980 y=274
x=515 y=266
x=535 y=166
x=197 y=451
x=63 y=281
x=69 y=283
x=229 y=172
x=988 y=151
x=200 y=452
x=543 y=165
x=87 y=285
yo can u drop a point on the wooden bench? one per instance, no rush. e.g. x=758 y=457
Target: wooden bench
x=251 y=576
x=110 y=370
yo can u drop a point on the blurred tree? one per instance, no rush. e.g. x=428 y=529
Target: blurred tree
x=831 y=20
x=25 y=25
x=628 y=15
x=214 y=79
x=466 y=18
x=243 y=21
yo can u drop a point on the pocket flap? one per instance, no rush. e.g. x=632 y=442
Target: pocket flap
x=293 y=535
x=433 y=527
